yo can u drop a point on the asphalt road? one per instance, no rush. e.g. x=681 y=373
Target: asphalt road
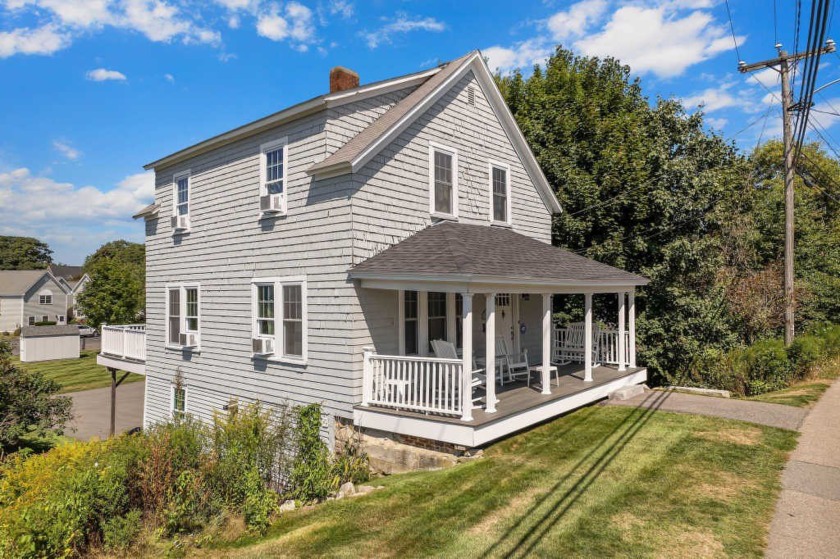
x=92 y=411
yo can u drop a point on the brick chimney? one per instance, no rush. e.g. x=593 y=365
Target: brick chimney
x=342 y=78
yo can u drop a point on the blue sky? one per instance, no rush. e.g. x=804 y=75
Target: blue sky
x=93 y=89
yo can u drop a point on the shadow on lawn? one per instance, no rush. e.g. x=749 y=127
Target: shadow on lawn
x=523 y=545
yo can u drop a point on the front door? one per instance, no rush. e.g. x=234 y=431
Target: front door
x=504 y=319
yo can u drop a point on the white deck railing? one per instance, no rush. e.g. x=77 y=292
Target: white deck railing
x=125 y=341
x=422 y=384
x=605 y=346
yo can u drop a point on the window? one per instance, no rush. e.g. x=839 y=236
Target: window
x=183 y=314
x=265 y=310
x=273 y=159
x=280 y=313
x=443 y=181
x=45 y=299
x=459 y=323
x=182 y=194
x=61 y=319
x=410 y=314
x=191 y=316
x=437 y=317
x=179 y=401
x=31 y=321
x=499 y=193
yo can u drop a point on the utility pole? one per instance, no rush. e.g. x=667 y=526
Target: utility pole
x=783 y=62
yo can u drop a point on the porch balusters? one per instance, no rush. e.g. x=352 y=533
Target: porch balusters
x=546 y=344
x=466 y=376
x=490 y=352
x=631 y=300
x=622 y=364
x=587 y=337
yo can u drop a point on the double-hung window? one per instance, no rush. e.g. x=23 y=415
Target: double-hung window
x=181 y=201
x=437 y=317
x=273 y=166
x=443 y=181
x=183 y=316
x=499 y=193
x=411 y=330
x=280 y=316
x=179 y=401
x=45 y=299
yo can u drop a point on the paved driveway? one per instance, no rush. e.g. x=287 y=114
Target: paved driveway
x=92 y=411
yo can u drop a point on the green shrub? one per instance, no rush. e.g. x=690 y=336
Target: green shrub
x=260 y=502
x=805 y=351
x=189 y=504
x=766 y=365
x=120 y=532
x=312 y=477
x=351 y=464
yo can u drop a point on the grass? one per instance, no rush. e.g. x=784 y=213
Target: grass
x=804 y=394
x=603 y=481
x=76 y=374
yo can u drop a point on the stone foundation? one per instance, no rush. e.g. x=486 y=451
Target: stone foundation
x=391 y=453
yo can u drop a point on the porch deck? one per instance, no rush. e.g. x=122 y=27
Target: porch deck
x=518 y=407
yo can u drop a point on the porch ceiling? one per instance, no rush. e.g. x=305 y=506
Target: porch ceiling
x=465 y=255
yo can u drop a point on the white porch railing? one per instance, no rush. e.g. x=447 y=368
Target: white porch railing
x=125 y=341
x=605 y=346
x=422 y=384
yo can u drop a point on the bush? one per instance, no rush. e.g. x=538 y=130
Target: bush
x=46 y=323
x=351 y=464
x=260 y=503
x=805 y=351
x=766 y=366
x=120 y=532
x=312 y=476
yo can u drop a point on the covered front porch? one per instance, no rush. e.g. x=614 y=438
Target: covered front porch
x=506 y=365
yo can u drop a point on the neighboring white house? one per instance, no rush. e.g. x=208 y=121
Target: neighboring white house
x=313 y=255
x=75 y=280
x=28 y=297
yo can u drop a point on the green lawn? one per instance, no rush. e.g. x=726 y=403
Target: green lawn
x=76 y=374
x=600 y=482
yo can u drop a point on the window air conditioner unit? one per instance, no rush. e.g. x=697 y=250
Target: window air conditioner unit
x=180 y=222
x=263 y=346
x=188 y=339
x=271 y=203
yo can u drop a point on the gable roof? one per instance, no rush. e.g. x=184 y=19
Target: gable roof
x=475 y=252
x=49 y=331
x=66 y=272
x=365 y=145
x=18 y=282
x=149 y=211
x=311 y=106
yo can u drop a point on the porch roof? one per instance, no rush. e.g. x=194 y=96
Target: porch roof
x=451 y=251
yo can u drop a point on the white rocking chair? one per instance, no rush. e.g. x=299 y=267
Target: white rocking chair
x=570 y=348
x=446 y=350
x=517 y=366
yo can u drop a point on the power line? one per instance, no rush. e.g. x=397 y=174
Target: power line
x=732 y=29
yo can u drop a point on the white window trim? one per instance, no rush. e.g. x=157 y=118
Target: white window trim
x=182 y=315
x=175 y=178
x=172 y=409
x=279 y=355
x=46 y=301
x=433 y=147
x=498 y=165
x=266 y=147
x=423 y=321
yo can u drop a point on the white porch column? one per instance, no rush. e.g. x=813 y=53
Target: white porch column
x=631 y=296
x=622 y=347
x=587 y=337
x=490 y=352
x=466 y=377
x=515 y=301
x=546 y=344
x=451 y=320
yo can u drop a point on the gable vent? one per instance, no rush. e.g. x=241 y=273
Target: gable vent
x=471 y=96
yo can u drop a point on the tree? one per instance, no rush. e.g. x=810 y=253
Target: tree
x=29 y=404
x=643 y=187
x=117 y=290
x=24 y=253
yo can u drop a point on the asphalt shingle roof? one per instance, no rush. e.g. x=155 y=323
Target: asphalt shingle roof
x=478 y=250
x=55 y=330
x=18 y=282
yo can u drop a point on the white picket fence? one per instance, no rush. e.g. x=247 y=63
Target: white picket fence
x=126 y=341
x=422 y=384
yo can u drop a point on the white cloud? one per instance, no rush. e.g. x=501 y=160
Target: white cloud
x=162 y=22
x=103 y=74
x=401 y=23
x=712 y=99
x=42 y=40
x=73 y=220
x=294 y=23
x=522 y=55
x=575 y=21
x=769 y=77
x=65 y=149
x=341 y=7
x=169 y=77
x=669 y=45
x=717 y=123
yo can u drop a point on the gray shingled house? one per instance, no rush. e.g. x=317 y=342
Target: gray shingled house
x=314 y=255
x=31 y=296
